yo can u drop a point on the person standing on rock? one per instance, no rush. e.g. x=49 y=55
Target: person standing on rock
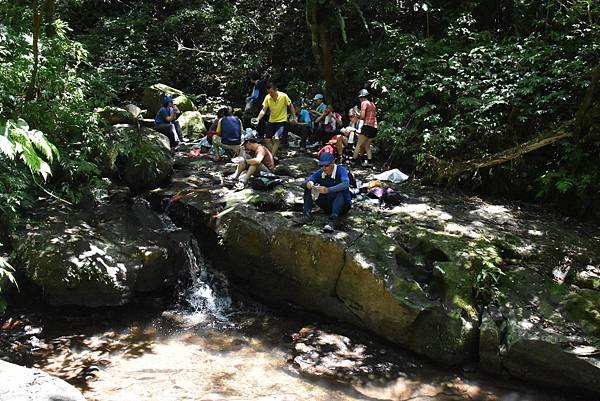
x=368 y=113
x=279 y=105
x=166 y=122
x=257 y=158
x=254 y=101
x=328 y=187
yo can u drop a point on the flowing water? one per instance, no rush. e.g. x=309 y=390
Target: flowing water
x=216 y=346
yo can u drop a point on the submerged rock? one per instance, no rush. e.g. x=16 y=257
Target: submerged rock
x=24 y=384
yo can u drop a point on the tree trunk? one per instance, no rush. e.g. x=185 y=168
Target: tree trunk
x=585 y=117
x=321 y=39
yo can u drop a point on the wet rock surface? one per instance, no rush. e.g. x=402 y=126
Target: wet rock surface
x=420 y=274
x=100 y=256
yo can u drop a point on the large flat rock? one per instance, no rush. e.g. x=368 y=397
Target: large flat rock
x=444 y=275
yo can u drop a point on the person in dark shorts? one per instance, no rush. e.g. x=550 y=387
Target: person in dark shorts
x=368 y=113
x=279 y=105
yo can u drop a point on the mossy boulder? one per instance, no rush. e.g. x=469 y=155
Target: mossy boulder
x=184 y=103
x=147 y=161
x=101 y=257
x=116 y=115
x=154 y=94
x=192 y=125
x=551 y=332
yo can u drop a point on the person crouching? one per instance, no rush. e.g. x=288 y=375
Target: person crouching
x=257 y=158
x=331 y=183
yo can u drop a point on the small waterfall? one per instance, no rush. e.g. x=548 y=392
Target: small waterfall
x=207 y=297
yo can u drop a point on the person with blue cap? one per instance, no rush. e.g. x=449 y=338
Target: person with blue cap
x=166 y=122
x=329 y=188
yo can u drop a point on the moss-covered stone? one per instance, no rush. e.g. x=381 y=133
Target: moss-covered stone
x=150 y=164
x=583 y=306
x=96 y=259
x=154 y=94
x=116 y=115
x=192 y=125
x=184 y=103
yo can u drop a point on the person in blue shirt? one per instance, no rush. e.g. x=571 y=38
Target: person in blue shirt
x=331 y=183
x=166 y=122
x=228 y=134
x=254 y=101
x=303 y=125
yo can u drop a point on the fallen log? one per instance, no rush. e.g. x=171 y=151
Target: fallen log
x=439 y=170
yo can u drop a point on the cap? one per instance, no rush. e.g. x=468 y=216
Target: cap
x=318 y=96
x=363 y=93
x=248 y=136
x=167 y=99
x=326 y=158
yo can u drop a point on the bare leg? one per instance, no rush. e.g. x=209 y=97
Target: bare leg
x=275 y=146
x=240 y=167
x=250 y=173
x=269 y=144
x=340 y=145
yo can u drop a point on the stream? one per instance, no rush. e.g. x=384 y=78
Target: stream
x=216 y=344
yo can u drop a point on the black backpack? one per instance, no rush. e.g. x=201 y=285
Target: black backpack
x=265 y=183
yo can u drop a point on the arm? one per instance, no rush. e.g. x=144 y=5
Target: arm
x=218 y=130
x=256 y=160
x=345 y=184
x=264 y=108
x=262 y=113
x=363 y=110
x=309 y=182
x=254 y=95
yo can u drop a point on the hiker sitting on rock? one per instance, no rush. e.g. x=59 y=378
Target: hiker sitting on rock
x=328 y=187
x=166 y=122
x=228 y=134
x=257 y=158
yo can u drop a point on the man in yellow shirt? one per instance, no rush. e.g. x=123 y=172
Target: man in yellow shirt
x=279 y=104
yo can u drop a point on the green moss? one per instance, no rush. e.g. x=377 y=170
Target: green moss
x=584 y=306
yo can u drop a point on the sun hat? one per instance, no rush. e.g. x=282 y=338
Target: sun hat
x=363 y=93
x=326 y=158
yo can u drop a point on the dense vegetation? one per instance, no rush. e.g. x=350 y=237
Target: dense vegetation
x=454 y=80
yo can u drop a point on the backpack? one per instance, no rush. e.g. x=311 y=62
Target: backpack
x=265 y=183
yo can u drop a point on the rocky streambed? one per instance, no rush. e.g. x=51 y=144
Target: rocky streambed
x=510 y=288
x=451 y=277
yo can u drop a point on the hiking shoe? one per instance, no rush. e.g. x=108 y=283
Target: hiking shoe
x=329 y=227
x=306 y=218
x=232 y=177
